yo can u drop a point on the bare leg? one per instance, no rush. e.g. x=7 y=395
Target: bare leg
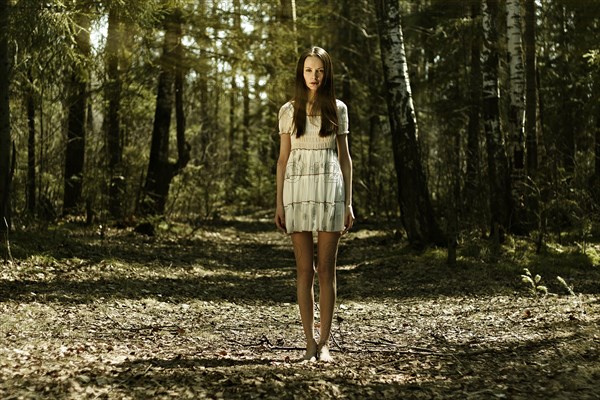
x=327 y=247
x=304 y=253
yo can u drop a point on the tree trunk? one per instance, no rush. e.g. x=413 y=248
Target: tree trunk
x=31 y=175
x=182 y=146
x=76 y=125
x=498 y=171
x=345 y=39
x=516 y=117
x=287 y=16
x=160 y=170
x=246 y=117
x=415 y=206
x=473 y=157
x=113 y=135
x=232 y=128
x=233 y=96
x=531 y=97
x=207 y=128
x=242 y=163
x=596 y=178
x=453 y=206
x=568 y=108
x=5 y=129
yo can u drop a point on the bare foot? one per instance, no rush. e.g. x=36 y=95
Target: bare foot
x=311 y=351
x=324 y=354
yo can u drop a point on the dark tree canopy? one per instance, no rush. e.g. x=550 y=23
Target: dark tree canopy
x=119 y=116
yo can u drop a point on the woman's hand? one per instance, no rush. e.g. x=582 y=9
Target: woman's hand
x=280 y=219
x=348 y=219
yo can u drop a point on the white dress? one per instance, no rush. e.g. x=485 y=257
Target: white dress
x=313 y=187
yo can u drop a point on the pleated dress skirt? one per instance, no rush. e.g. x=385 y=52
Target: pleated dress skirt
x=313 y=191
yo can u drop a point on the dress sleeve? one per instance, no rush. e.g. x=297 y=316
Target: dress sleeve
x=286 y=116
x=342 y=118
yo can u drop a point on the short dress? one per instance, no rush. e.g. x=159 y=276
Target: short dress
x=313 y=187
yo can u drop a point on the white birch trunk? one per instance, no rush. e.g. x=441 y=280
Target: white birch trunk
x=491 y=88
x=415 y=207
x=287 y=11
x=517 y=83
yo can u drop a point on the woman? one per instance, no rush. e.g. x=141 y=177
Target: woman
x=314 y=189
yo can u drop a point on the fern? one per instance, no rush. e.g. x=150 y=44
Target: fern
x=533 y=283
x=566 y=286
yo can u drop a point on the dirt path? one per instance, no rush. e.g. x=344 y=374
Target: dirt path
x=211 y=314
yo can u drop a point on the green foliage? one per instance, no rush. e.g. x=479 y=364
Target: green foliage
x=240 y=59
x=590 y=251
x=533 y=283
x=593 y=57
x=568 y=287
x=197 y=193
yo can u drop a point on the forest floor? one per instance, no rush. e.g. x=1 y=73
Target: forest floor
x=211 y=313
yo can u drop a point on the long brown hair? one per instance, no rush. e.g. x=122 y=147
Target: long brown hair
x=325 y=99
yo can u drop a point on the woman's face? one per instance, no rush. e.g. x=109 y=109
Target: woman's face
x=314 y=72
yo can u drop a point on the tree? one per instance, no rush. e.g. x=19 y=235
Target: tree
x=596 y=130
x=5 y=128
x=596 y=177
x=113 y=131
x=473 y=157
x=77 y=106
x=498 y=172
x=516 y=114
x=31 y=175
x=161 y=171
x=286 y=14
x=565 y=32
x=415 y=206
x=531 y=96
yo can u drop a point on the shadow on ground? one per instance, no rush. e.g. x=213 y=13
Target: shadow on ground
x=250 y=261
x=439 y=331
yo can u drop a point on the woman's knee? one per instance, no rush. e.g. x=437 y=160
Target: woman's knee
x=305 y=275
x=326 y=272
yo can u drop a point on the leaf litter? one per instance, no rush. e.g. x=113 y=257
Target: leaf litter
x=212 y=314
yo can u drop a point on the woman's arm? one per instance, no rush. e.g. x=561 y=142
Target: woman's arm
x=346 y=167
x=285 y=145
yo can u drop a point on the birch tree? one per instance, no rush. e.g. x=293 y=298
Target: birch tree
x=287 y=16
x=498 y=170
x=415 y=205
x=516 y=116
